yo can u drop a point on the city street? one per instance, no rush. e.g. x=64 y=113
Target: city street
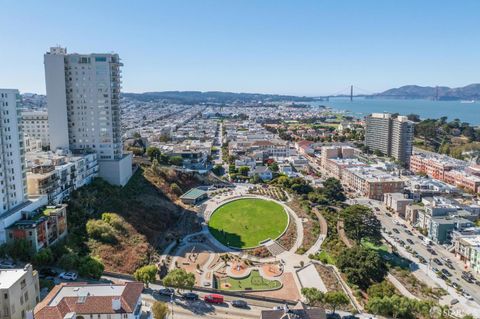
x=425 y=272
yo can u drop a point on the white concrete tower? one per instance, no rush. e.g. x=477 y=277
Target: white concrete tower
x=13 y=182
x=83 y=96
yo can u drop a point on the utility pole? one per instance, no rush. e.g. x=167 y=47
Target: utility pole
x=351 y=93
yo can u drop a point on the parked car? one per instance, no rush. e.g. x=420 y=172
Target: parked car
x=410 y=241
x=437 y=261
x=47 y=272
x=445 y=259
x=240 y=304
x=468 y=296
x=446 y=272
x=68 y=276
x=213 y=298
x=420 y=237
x=396 y=230
x=7 y=264
x=449 y=265
x=350 y=317
x=454 y=302
x=190 y=296
x=166 y=292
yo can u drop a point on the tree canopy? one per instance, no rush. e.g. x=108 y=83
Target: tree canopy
x=179 y=279
x=362 y=266
x=146 y=274
x=360 y=222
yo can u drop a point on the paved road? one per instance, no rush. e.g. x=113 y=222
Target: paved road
x=199 y=309
x=395 y=222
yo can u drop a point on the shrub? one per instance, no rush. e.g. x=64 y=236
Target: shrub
x=114 y=220
x=91 y=267
x=176 y=189
x=101 y=231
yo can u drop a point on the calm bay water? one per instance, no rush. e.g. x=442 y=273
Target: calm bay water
x=360 y=107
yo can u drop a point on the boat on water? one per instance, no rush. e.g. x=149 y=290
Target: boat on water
x=467 y=101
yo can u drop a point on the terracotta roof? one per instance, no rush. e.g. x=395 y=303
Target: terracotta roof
x=91 y=304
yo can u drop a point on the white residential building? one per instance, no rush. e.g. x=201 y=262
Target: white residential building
x=35 y=126
x=12 y=155
x=83 y=98
x=19 y=291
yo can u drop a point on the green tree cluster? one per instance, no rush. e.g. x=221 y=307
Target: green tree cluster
x=399 y=307
x=332 y=299
x=179 y=279
x=360 y=222
x=100 y=230
x=146 y=274
x=362 y=266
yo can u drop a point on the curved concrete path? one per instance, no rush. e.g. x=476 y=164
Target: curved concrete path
x=323 y=234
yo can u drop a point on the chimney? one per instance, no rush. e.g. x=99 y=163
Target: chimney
x=116 y=304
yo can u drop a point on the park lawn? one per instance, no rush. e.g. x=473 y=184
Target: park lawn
x=370 y=245
x=252 y=282
x=244 y=223
x=393 y=259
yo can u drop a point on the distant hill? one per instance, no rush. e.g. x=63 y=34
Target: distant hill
x=469 y=92
x=212 y=97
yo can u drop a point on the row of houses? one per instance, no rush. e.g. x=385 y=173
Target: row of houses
x=447 y=169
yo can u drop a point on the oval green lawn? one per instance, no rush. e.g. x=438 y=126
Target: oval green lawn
x=244 y=223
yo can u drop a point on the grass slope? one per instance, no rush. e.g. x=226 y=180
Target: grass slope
x=245 y=223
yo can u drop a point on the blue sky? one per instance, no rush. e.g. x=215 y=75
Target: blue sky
x=289 y=47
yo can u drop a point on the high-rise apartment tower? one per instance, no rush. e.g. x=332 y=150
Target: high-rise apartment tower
x=393 y=136
x=83 y=99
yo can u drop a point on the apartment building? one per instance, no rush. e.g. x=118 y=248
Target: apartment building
x=447 y=169
x=434 y=165
x=83 y=98
x=397 y=202
x=41 y=228
x=12 y=155
x=56 y=176
x=335 y=159
x=393 y=136
x=371 y=182
x=35 y=125
x=19 y=291
x=98 y=301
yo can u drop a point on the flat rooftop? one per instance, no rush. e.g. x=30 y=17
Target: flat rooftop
x=10 y=276
x=193 y=193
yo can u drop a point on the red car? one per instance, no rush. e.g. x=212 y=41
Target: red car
x=213 y=298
